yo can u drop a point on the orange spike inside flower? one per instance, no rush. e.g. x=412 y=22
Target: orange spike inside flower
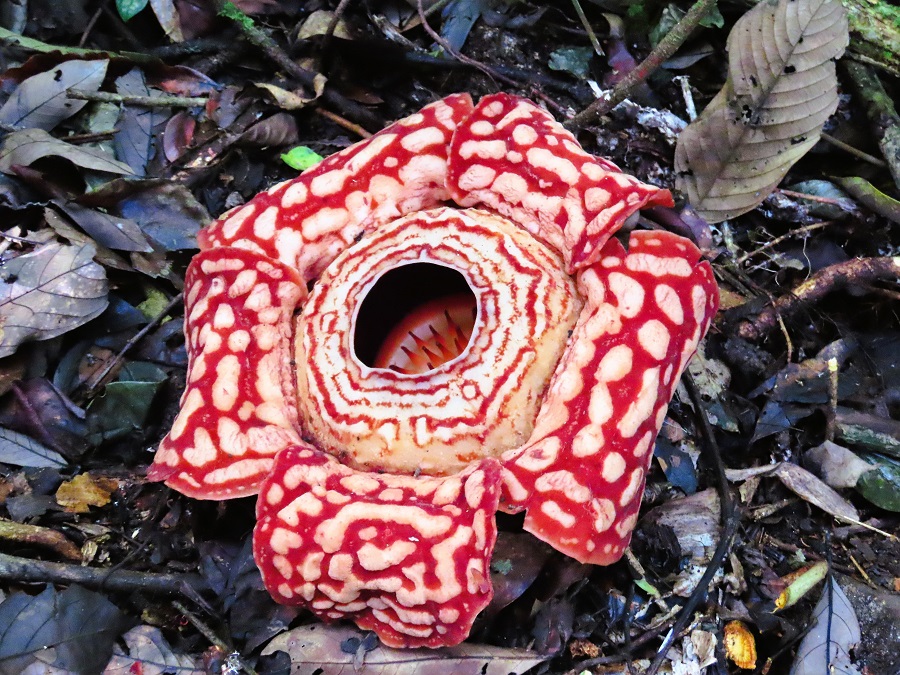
x=431 y=335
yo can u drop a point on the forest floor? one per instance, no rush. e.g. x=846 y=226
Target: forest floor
x=121 y=139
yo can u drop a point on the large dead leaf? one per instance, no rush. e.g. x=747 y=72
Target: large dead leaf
x=834 y=632
x=149 y=654
x=329 y=650
x=49 y=292
x=73 y=630
x=781 y=89
x=29 y=145
x=41 y=101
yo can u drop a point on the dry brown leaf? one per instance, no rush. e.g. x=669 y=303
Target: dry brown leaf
x=802 y=483
x=781 y=89
x=320 y=648
x=84 y=491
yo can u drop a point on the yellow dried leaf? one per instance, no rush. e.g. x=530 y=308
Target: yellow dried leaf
x=84 y=491
x=781 y=89
x=740 y=645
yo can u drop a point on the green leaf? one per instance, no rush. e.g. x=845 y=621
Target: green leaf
x=882 y=485
x=128 y=9
x=125 y=404
x=574 y=60
x=301 y=158
x=154 y=304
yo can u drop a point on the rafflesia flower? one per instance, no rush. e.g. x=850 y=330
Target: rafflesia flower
x=473 y=340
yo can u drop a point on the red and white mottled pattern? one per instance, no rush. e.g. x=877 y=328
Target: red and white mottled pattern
x=514 y=158
x=477 y=405
x=237 y=410
x=406 y=557
x=572 y=418
x=307 y=221
x=581 y=474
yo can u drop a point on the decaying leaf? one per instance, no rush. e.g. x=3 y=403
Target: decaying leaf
x=781 y=88
x=149 y=654
x=24 y=147
x=324 y=649
x=740 y=645
x=21 y=450
x=73 y=630
x=49 y=292
x=804 y=484
x=85 y=491
x=835 y=631
x=41 y=101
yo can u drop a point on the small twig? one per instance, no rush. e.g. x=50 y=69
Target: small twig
x=858 y=272
x=211 y=635
x=347 y=124
x=90 y=27
x=336 y=17
x=99 y=379
x=13 y=568
x=595 y=43
x=856 y=152
x=666 y=48
x=144 y=101
x=800 y=231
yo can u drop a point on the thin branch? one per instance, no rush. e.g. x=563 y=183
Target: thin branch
x=14 y=568
x=856 y=272
x=143 y=101
x=666 y=48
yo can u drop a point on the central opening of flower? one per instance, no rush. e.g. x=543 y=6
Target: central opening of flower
x=415 y=318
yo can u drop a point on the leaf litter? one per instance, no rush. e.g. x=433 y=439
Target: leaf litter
x=770 y=401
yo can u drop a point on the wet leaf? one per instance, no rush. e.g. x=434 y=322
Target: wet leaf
x=881 y=486
x=301 y=158
x=41 y=102
x=128 y=9
x=134 y=141
x=73 y=630
x=116 y=232
x=123 y=407
x=163 y=210
x=834 y=633
x=573 y=60
x=85 y=491
x=318 y=646
x=21 y=450
x=49 y=292
x=771 y=109
x=149 y=654
x=168 y=18
x=279 y=129
x=677 y=465
x=22 y=148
